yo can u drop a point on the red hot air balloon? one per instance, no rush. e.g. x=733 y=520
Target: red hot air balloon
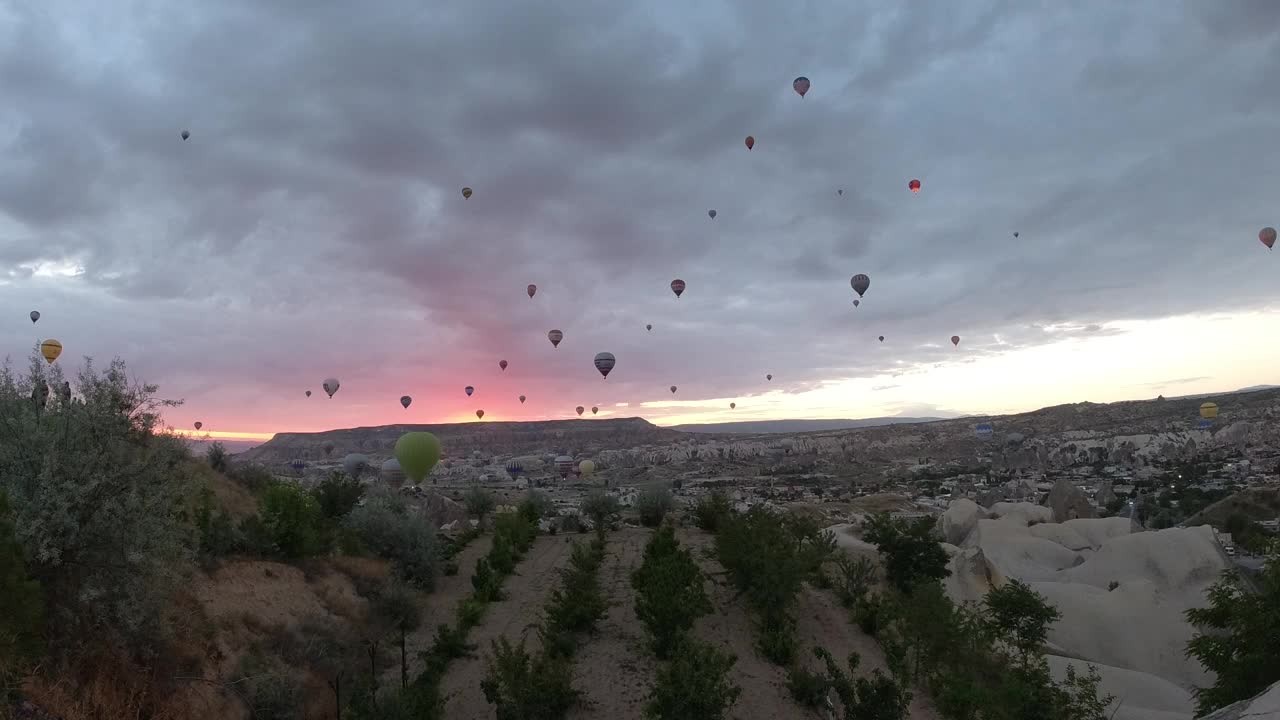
x=955 y=340
x=1268 y=236
x=751 y=142
x=579 y=410
x=677 y=287
x=532 y=289
x=502 y=364
x=800 y=85
x=555 y=336
x=522 y=399
x=594 y=409
x=479 y=414
x=914 y=185
x=199 y=424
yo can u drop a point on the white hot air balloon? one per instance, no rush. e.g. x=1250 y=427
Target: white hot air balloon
x=331 y=386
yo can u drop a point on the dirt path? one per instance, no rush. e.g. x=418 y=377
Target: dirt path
x=614 y=669
x=439 y=606
x=527 y=591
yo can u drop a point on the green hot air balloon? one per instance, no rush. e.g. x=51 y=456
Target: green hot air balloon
x=417 y=452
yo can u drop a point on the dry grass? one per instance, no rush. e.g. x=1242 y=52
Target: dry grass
x=233 y=497
x=107 y=686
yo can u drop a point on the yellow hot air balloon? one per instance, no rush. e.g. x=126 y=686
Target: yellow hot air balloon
x=1209 y=411
x=51 y=349
x=586 y=467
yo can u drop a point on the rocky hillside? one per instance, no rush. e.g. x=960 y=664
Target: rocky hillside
x=460 y=439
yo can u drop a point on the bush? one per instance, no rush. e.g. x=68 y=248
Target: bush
x=695 y=685
x=217 y=456
x=653 y=505
x=777 y=641
x=337 y=495
x=535 y=506
x=525 y=687
x=669 y=591
x=1239 y=639
x=711 y=512
x=807 y=688
x=577 y=604
x=386 y=527
x=100 y=500
x=909 y=551
x=21 y=600
x=293 y=520
x=768 y=556
x=516 y=528
x=486 y=582
x=216 y=533
x=478 y=503
x=879 y=697
x=854 y=579
x=272 y=690
x=599 y=506
x=254 y=477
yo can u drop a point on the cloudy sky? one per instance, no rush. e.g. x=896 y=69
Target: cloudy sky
x=313 y=224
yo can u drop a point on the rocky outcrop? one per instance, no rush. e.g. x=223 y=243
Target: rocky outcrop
x=959 y=520
x=1264 y=706
x=1069 y=502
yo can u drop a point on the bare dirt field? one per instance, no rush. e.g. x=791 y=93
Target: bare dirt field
x=526 y=591
x=614 y=669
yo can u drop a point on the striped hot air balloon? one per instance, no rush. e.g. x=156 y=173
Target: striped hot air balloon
x=677 y=287
x=555 y=336
x=604 y=363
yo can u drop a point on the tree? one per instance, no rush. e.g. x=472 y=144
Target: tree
x=1020 y=615
x=337 y=495
x=653 y=505
x=526 y=687
x=669 y=591
x=21 y=600
x=909 y=551
x=1241 y=638
x=386 y=527
x=100 y=497
x=535 y=506
x=599 y=506
x=478 y=503
x=879 y=697
x=695 y=685
x=711 y=511
x=293 y=520
x=217 y=456
x=397 y=609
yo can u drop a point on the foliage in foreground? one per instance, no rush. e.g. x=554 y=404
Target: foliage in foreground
x=695 y=685
x=712 y=510
x=653 y=505
x=669 y=591
x=522 y=686
x=386 y=527
x=21 y=600
x=908 y=549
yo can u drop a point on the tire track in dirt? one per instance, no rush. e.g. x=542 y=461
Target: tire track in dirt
x=526 y=592
x=615 y=669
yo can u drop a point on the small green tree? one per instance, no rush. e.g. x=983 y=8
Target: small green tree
x=397 y=609
x=535 y=506
x=653 y=505
x=599 y=506
x=479 y=503
x=669 y=591
x=21 y=599
x=908 y=548
x=711 y=511
x=526 y=687
x=337 y=495
x=385 y=527
x=217 y=456
x=1240 y=640
x=1021 y=616
x=293 y=520
x=695 y=685
x=879 y=697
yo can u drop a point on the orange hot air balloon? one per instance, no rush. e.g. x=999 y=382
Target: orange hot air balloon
x=677 y=287
x=579 y=410
x=955 y=340
x=480 y=414
x=914 y=185
x=502 y=364
x=1268 y=236
x=751 y=142
x=532 y=289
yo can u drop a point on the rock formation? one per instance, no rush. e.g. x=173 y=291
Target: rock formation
x=1069 y=502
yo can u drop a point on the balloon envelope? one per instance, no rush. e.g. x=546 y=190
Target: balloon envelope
x=555 y=336
x=564 y=465
x=712 y=213
x=405 y=400
x=331 y=386
x=185 y=134
x=881 y=338
x=604 y=362
x=532 y=289
x=1267 y=235
x=677 y=287
x=914 y=185
x=502 y=364
x=955 y=339
x=354 y=464
x=1209 y=411
x=468 y=390
x=579 y=410
x=35 y=315
x=479 y=414
x=50 y=349
x=673 y=389
x=751 y=142
x=308 y=393
x=521 y=399
x=466 y=192
x=733 y=405
x=649 y=328
x=800 y=85
x=594 y=409
x=860 y=284
x=199 y=424
x=768 y=377
x=392 y=474
x=586 y=467
x=417 y=453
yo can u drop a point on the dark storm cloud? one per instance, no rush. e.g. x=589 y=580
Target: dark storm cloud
x=313 y=223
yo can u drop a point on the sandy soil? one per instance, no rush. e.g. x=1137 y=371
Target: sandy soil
x=527 y=591
x=614 y=669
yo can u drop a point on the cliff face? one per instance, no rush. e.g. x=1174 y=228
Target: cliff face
x=461 y=439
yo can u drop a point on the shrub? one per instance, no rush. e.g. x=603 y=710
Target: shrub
x=908 y=549
x=577 y=604
x=879 y=697
x=293 y=520
x=807 y=688
x=254 y=477
x=216 y=533
x=535 y=506
x=99 y=497
x=21 y=600
x=777 y=641
x=515 y=528
x=386 y=527
x=478 y=503
x=711 y=512
x=1239 y=638
x=695 y=685
x=854 y=579
x=653 y=505
x=486 y=582
x=526 y=687
x=502 y=556
x=669 y=591
x=397 y=610
x=470 y=611
x=337 y=495
x=599 y=506
x=217 y=456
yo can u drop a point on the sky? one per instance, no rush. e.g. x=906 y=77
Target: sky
x=313 y=225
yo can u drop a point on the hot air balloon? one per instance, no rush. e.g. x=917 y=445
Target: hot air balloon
x=521 y=399
x=733 y=405
x=51 y=349
x=856 y=302
x=331 y=386
x=185 y=134
x=768 y=377
x=673 y=389
x=466 y=192
x=531 y=290
x=604 y=363
x=914 y=185
x=649 y=328
x=405 y=400
x=308 y=393
x=983 y=430
x=564 y=465
x=1015 y=233
x=840 y=191
x=392 y=474
x=354 y=464
x=514 y=468
x=555 y=336
x=1268 y=236
x=586 y=467
x=594 y=409
x=860 y=284
x=800 y=85
x=881 y=338
x=1209 y=411
x=468 y=390
x=199 y=424
x=35 y=315
x=751 y=142
x=955 y=340
x=297 y=465
x=712 y=213
x=479 y=414
x=417 y=453
x=677 y=287
x=502 y=364
x=579 y=410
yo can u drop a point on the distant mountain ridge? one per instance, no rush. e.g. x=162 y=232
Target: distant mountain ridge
x=798 y=426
